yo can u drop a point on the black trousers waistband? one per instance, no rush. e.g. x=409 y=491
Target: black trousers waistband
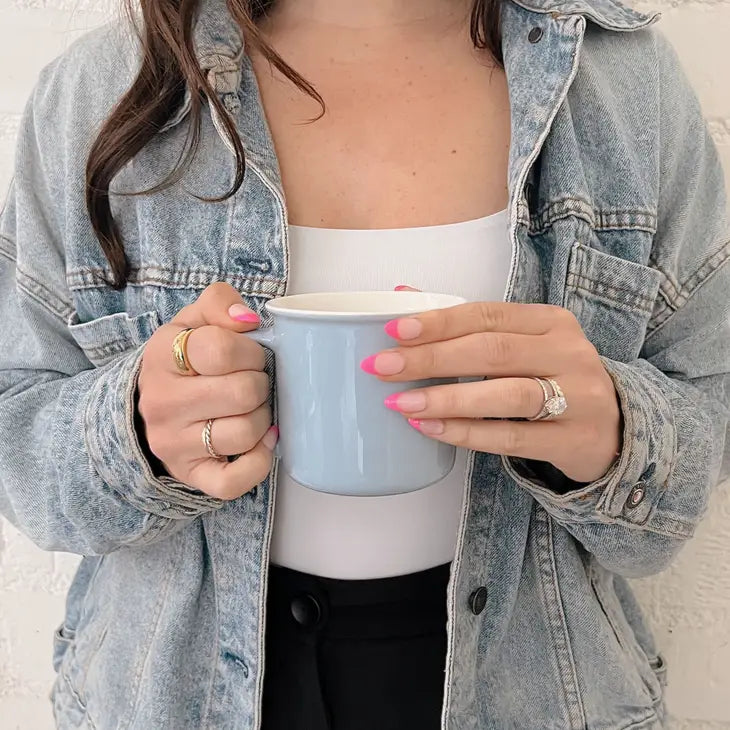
x=355 y=654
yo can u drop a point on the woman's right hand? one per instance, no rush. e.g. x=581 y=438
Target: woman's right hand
x=231 y=388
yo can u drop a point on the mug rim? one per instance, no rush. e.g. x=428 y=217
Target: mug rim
x=410 y=302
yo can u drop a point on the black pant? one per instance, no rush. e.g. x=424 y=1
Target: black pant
x=355 y=654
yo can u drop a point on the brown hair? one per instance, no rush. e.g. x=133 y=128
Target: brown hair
x=169 y=66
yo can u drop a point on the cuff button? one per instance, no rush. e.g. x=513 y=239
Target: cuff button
x=636 y=496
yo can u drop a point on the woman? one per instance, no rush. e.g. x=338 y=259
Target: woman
x=550 y=154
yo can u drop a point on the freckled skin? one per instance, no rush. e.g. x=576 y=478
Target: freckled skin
x=384 y=154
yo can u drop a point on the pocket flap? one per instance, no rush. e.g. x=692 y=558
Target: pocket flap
x=612 y=298
x=104 y=338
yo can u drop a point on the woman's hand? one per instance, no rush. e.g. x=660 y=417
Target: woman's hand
x=509 y=344
x=230 y=388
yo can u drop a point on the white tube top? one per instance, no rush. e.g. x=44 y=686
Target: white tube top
x=377 y=537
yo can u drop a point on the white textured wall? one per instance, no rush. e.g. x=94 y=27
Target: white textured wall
x=689 y=605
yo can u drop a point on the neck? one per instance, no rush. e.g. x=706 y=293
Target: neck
x=365 y=14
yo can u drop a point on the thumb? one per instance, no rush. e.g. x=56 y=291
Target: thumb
x=219 y=305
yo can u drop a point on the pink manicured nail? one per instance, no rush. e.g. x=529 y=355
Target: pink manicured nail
x=429 y=426
x=385 y=363
x=242 y=314
x=408 y=402
x=403 y=287
x=270 y=438
x=404 y=329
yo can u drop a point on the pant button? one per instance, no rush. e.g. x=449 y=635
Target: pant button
x=306 y=610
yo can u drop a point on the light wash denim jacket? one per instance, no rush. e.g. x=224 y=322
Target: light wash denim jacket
x=617 y=212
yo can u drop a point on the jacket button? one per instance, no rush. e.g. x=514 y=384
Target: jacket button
x=636 y=496
x=535 y=34
x=306 y=611
x=478 y=600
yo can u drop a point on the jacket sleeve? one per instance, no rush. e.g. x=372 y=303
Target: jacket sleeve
x=675 y=397
x=72 y=474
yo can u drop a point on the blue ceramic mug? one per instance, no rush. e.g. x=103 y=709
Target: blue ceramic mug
x=336 y=435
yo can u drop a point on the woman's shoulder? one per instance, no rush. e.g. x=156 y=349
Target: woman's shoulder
x=630 y=66
x=76 y=91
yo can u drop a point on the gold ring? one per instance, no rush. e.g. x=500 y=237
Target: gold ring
x=207 y=443
x=180 y=354
x=554 y=403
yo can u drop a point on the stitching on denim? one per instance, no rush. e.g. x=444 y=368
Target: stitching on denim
x=73 y=691
x=713 y=262
x=684 y=290
x=80 y=704
x=263 y=590
x=723 y=261
x=43 y=296
x=96 y=278
x=11 y=252
x=601 y=220
x=205 y=715
x=556 y=616
x=154 y=624
x=582 y=282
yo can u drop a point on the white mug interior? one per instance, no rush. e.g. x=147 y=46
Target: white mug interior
x=360 y=304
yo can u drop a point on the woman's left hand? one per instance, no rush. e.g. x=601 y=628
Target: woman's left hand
x=509 y=344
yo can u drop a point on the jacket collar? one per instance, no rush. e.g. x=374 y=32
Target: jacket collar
x=219 y=43
x=609 y=14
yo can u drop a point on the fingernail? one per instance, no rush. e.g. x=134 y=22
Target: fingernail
x=403 y=287
x=270 y=438
x=385 y=363
x=409 y=401
x=242 y=314
x=429 y=426
x=404 y=329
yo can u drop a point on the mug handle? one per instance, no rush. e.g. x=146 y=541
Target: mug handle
x=264 y=337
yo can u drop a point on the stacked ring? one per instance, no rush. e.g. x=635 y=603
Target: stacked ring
x=207 y=441
x=554 y=403
x=180 y=354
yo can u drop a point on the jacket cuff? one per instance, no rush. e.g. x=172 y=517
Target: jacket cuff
x=115 y=452
x=630 y=492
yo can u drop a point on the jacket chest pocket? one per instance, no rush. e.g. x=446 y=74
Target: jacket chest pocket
x=612 y=298
x=111 y=335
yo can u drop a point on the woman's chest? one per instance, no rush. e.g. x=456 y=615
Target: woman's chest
x=420 y=145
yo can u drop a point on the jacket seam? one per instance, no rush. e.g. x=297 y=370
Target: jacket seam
x=43 y=296
x=82 y=279
x=578 y=282
x=714 y=263
x=601 y=220
x=205 y=715
x=641 y=724
x=149 y=638
x=11 y=252
x=556 y=618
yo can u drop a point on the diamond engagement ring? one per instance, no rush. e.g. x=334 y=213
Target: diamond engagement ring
x=554 y=403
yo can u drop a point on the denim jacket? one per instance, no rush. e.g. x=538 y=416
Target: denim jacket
x=616 y=212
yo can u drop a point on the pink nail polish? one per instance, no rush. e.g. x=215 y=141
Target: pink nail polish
x=384 y=363
x=402 y=287
x=428 y=426
x=270 y=438
x=368 y=365
x=248 y=317
x=391 y=328
x=392 y=402
x=406 y=402
x=243 y=314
